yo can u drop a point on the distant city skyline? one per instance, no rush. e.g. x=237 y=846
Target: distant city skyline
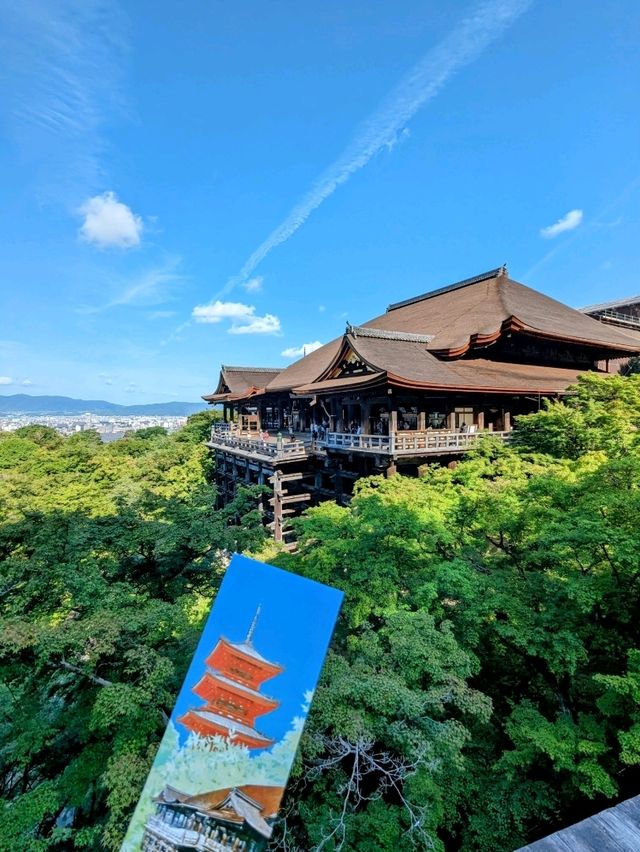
x=232 y=184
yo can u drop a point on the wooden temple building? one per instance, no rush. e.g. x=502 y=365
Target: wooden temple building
x=238 y=819
x=624 y=313
x=230 y=688
x=419 y=383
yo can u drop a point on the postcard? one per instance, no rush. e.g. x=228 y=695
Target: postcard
x=222 y=766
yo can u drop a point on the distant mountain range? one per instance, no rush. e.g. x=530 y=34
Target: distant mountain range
x=22 y=403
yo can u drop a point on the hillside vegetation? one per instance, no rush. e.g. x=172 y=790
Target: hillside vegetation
x=483 y=686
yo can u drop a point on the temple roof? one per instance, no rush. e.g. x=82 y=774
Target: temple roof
x=266 y=796
x=247 y=649
x=237 y=381
x=227 y=681
x=342 y=383
x=406 y=344
x=250 y=803
x=230 y=724
x=404 y=363
x=306 y=369
x=421 y=342
x=483 y=306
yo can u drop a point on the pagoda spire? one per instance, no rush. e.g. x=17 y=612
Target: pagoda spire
x=252 y=628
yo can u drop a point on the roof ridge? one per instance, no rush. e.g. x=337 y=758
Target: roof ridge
x=382 y=334
x=502 y=295
x=232 y=369
x=613 y=304
x=484 y=276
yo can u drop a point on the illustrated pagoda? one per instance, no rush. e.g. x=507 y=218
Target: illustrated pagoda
x=231 y=689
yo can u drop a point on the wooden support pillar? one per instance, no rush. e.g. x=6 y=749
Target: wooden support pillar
x=365 y=417
x=480 y=419
x=225 y=410
x=393 y=421
x=277 y=506
x=422 y=420
x=392 y=469
x=338 y=487
x=336 y=410
x=451 y=421
x=506 y=420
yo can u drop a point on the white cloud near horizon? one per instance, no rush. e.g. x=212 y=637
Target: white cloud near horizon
x=243 y=318
x=569 y=222
x=109 y=223
x=301 y=351
x=386 y=125
x=6 y=380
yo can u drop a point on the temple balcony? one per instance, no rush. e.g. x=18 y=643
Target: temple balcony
x=272 y=450
x=180 y=838
x=407 y=443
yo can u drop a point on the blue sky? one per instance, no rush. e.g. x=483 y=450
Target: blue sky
x=296 y=621
x=225 y=182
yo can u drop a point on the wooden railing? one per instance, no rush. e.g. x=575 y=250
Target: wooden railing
x=405 y=443
x=246 y=444
x=409 y=442
x=616 y=316
x=365 y=443
x=184 y=837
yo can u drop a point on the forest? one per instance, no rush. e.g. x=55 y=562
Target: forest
x=483 y=685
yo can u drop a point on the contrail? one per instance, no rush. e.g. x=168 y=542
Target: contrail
x=474 y=34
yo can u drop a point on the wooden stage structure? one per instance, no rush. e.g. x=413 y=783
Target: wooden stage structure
x=422 y=382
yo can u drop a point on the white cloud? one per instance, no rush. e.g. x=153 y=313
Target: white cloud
x=300 y=351
x=26 y=382
x=6 y=380
x=243 y=317
x=268 y=324
x=254 y=285
x=568 y=222
x=217 y=311
x=108 y=223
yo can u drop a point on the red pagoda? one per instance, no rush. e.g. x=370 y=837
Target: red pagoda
x=231 y=689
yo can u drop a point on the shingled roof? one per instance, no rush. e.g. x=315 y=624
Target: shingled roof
x=478 y=310
x=250 y=803
x=306 y=369
x=420 y=342
x=410 y=364
x=235 y=382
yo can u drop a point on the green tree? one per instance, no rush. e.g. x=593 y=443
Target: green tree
x=109 y=557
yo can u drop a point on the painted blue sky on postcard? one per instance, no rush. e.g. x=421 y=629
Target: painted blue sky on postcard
x=224 y=760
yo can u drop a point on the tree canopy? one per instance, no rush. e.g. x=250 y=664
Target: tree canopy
x=109 y=557
x=483 y=685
